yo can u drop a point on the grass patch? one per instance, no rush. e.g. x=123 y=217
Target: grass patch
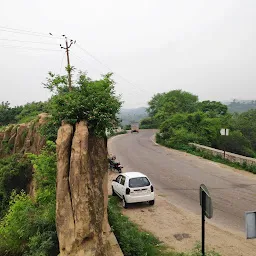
x=135 y=242
x=192 y=150
x=218 y=159
x=3 y=128
x=27 y=119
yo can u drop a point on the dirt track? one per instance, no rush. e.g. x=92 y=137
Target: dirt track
x=175 y=218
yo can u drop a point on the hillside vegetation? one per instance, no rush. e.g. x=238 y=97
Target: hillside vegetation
x=28 y=181
x=183 y=119
x=237 y=106
x=129 y=116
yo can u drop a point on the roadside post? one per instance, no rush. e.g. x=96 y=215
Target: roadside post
x=207 y=210
x=224 y=132
x=250 y=225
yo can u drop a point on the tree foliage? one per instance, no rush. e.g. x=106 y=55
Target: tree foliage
x=8 y=114
x=92 y=101
x=20 y=114
x=161 y=106
x=182 y=119
x=30 y=111
x=29 y=227
x=212 y=108
x=15 y=174
x=148 y=123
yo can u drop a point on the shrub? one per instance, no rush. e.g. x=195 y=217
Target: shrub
x=133 y=241
x=148 y=123
x=92 y=101
x=15 y=174
x=29 y=227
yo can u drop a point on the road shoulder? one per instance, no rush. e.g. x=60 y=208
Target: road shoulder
x=180 y=229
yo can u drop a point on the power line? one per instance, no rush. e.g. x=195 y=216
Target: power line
x=26 y=32
x=132 y=93
x=96 y=59
x=87 y=63
x=39 y=34
x=28 y=48
x=21 y=41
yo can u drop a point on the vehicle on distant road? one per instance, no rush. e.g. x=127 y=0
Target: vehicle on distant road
x=134 y=127
x=133 y=187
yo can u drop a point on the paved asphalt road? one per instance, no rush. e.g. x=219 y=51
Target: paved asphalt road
x=178 y=175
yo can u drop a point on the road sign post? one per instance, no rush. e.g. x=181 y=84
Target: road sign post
x=207 y=210
x=250 y=222
x=203 y=223
x=224 y=132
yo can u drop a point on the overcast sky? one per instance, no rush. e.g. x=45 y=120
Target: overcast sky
x=202 y=46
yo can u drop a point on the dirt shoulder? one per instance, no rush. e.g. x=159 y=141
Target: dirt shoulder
x=180 y=229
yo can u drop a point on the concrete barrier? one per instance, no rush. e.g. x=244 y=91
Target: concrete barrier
x=229 y=156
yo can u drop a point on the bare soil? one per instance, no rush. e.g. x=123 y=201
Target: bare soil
x=181 y=229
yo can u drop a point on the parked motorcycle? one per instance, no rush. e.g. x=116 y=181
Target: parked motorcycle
x=114 y=165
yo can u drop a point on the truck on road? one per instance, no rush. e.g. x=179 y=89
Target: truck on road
x=134 y=127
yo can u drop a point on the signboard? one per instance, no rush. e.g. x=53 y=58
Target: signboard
x=208 y=201
x=224 y=132
x=250 y=222
x=206 y=205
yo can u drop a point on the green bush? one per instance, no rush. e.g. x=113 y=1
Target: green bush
x=15 y=174
x=92 y=101
x=29 y=227
x=30 y=111
x=50 y=129
x=132 y=241
x=135 y=242
x=148 y=123
x=17 y=225
x=127 y=127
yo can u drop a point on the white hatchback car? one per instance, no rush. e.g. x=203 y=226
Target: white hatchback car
x=133 y=187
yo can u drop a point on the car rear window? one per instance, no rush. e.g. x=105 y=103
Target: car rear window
x=138 y=182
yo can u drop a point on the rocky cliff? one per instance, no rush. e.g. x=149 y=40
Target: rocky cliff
x=22 y=138
x=82 y=196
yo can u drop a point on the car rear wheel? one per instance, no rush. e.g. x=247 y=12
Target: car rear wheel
x=113 y=192
x=152 y=202
x=125 y=205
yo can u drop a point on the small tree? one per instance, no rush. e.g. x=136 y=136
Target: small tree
x=92 y=101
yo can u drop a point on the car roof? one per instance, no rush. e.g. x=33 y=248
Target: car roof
x=133 y=174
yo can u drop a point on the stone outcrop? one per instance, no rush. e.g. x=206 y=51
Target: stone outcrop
x=82 y=196
x=23 y=138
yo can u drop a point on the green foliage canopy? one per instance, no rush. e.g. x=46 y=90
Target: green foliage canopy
x=92 y=101
x=29 y=227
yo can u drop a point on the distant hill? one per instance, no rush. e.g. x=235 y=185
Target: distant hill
x=240 y=106
x=132 y=115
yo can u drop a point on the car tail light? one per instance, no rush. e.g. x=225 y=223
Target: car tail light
x=152 y=188
x=128 y=191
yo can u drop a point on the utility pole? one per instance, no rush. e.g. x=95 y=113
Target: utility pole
x=68 y=45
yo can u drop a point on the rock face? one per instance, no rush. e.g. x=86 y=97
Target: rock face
x=23 y=138
x=82 y=196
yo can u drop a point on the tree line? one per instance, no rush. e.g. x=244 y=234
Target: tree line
x=182 y=119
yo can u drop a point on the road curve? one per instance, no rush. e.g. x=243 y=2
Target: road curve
x=177 y=176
